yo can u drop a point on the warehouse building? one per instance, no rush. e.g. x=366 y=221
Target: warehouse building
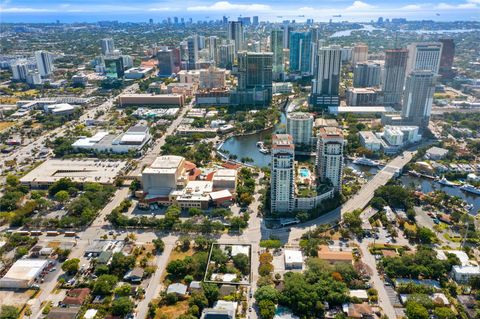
x=23 y=273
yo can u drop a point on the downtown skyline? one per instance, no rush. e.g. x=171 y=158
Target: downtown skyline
x=338 y=10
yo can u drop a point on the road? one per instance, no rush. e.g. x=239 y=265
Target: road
x=154 y=287
x=383 y=299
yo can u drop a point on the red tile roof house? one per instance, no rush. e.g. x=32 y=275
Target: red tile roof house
x=76 y=297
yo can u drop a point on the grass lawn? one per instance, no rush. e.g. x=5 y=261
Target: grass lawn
x=454 y=239
x=8 y=100
x=176 y=254
x=411 y=227
x=5 y=125
x=26 y=93
x=173 y=311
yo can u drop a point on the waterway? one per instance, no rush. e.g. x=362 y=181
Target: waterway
x=370 y=28
x=246 y=145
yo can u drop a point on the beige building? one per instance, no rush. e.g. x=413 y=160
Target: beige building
x=225 y=179
x=166 y=173
x=330 y=145
x=212 y=78
x=151 y=99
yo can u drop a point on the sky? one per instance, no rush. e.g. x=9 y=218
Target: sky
x=272 y=10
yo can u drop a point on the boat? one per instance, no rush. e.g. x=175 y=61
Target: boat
x=365 y=161
x=445 y=182
x=470 y=188
x=261 y=148
x=414 y=173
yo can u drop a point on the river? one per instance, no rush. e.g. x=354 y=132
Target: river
x=346 y=33
x=246 y=145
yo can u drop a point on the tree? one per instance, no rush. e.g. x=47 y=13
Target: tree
x=416 y=311
x=12 y=180
x=443 y=313
x=425 y=235
x=62 y=196
x=171 y=298
x=159 y=245
x=242 y=263
x=104 y=284
x=71 y=266
x=266 y=293
x=198 y=299
x=123 y=290
x=267 y=309
x=122 y=306
x=120 y=264
x=8 y=312
x=211 y=292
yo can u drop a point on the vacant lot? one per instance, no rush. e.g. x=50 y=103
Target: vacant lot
x=5 y=125
x=173 y=311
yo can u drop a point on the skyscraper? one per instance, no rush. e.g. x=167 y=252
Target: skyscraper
x=226 y=55
x=255 y=76
x=418 y=98
x=424 y=57
x=276 y=46
x=300 y=51
x=19 y=71
x=300 y=127
x=213 y=48
x=359 y=53
x=446 y=59
x=287 y=29
x=326 y=82
x=165 y=62
x=366 y=74
x=394 y=76
x=255 y=20
x=192 y=44
x=114 y=67
x=44 y=63
x=282 y=174
x=235 y=33
x=330 y=145
x=107 y=46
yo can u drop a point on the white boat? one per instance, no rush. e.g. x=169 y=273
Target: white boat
x=471 y=189
x=261 y=148
x=365 y=161
x=446 y=182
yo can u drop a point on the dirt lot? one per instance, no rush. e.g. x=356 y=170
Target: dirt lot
x=5 y=125
x=14 y=298
x=173 y=311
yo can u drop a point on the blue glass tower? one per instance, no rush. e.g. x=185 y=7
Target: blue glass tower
x=300 y=51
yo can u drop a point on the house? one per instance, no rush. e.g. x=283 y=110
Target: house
x=440 y=299
x=76 y=297
x=469 y=304
x=221 y=310
x=359 y=293
x=463 y=274
x=178 y=289
x=63 y=313
x=293 y=259
x=104 y=257
x=226 y=290
x=362 y=310
x=334 y=256
x=195 y=286
x=135 y=275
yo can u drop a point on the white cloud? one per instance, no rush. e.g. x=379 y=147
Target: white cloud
x=24 y=10
x=470 y=4
x=412 y=7
x=360 y=5
x=227 y=6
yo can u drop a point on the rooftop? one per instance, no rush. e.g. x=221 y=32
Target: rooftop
x=25 y=269
x=330 y=132
x=293 y=256
x=80 y=171
x=282 y=141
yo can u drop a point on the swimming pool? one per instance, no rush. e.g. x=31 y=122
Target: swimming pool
x=304 y=172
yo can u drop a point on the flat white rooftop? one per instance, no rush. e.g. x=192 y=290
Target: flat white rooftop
x=25 y=269
x=80 y=171
x=360 y=109
x=293 y=256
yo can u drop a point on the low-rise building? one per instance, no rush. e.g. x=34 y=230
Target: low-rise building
x=225 y=179
x=363 y=97
x=134 y=139
x=60 y=109
x=463 y=274
x=137 y=73
x=79 y=171
x=293 y=259
x=63 y=313
x=436 y=153
x=370 y=141
x=178 y=289
x=23 y=273
x=334 y=255
x=172 y=100
x=76 y=297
